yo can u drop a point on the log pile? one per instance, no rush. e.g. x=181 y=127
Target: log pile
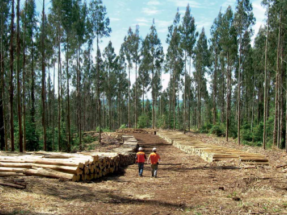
x=209 y=152
x=137 y=130
x=83 y=166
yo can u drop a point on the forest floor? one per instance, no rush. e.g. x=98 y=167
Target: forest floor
x=186 y=184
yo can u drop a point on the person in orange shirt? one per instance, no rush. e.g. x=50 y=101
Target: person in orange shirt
x=154 y=158
x=140 y=159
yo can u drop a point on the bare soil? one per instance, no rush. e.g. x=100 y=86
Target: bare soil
x=185 y=185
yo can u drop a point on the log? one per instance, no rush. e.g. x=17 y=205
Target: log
x=65 y=169
x=48 y=173
x=8 y=169
x=12 y=185
x=8 y=174
x=17 y=165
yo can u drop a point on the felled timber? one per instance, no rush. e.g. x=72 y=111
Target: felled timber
x=210 y=152
x=82 y=166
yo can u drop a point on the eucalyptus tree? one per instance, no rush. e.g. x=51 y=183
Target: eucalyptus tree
x=135 y=47
x=110 y=64
x=174 y=60
x=11 y=87
x=201 y=61
x=4 y=15
x=55 y=18
x=101 y=29
x=80 y=13
x=67 y=23
x=144 y=70
x=31 y=21
x=19 y=109
x=228 y=42
x=121 y=85
x=243 y=20
x=43 y=95
x=153 y=57
x=215 y=49
x=127 y=49
x=188 y=37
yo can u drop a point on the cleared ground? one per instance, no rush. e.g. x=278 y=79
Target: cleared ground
x=186 y=185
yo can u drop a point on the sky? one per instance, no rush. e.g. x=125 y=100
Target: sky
x=129 y=13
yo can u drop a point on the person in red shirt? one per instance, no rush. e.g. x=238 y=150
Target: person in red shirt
x=140 y=159
x=154 y=158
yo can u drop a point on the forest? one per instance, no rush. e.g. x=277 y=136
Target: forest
x=227 y=85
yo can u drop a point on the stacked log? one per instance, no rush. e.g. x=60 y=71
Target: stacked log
x=83 y=166
x=210 y=152
x=137 y=130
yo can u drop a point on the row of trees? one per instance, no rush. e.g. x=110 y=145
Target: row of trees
x=221 y=85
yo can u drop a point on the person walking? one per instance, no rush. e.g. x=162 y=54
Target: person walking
x=154 y=158
x=140 y=159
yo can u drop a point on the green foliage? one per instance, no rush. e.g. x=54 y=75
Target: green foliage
x=258 y=132
x=205 y=128
x=89 y=139
x=218 y=130
x=162 y=122
x=98 y=129
x=144 y=121
x=246 y=133
x=123 y=126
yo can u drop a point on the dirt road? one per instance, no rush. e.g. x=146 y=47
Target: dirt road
x=185 y=185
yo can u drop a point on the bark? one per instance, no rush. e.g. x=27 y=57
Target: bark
x=68 y=99
x=174 y=97
x=265 y=85
x=215 y=89
x=24 y=87
x=53 y=115
x=11 y=78
x=129 y=99
x=79 y=99
x=199 y=101
x=98 y=89
x=59 y=93
x=43 y=79
x=136 y=98
x=184 y=96
x=239 y=92
x=275 y=130
x=2 y=115
x=228 y=97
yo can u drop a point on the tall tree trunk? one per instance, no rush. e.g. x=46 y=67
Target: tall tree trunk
x=59 y=92
x=24 y=87
x=79 y=98
x=152 y=92
x=239 y=91
x=43 y=78
x=276 y=84
x=136 y=97
x=11 y=77
x=265 y=83
x=228 y=98
x=189 y=96
x=199 y=101
x=53 y=108
x=215 y=89
x=169 y=109
x=68 y=97
x=129 y=98
x=3 y=144
x=98 y=89
x=184 y=97
x=174 y=102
